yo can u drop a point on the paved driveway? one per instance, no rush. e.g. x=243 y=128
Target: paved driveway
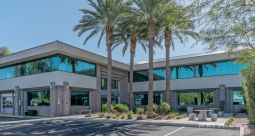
x=7 y=118
x=94 y=128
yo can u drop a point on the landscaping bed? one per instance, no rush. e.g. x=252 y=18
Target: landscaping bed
x=122 y=112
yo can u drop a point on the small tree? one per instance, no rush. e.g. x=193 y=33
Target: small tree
x=164 y=108
x=248 y=58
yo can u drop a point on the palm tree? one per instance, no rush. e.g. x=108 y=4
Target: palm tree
x=102 y=19
x=131 y=30
x=176 y=23
x=4 y=51
x=148 y=9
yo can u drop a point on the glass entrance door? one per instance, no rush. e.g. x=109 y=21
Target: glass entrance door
x=6 y=104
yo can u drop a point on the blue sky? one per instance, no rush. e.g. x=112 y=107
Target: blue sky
x=29 y=23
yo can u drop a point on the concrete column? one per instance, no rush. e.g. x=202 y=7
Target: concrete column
x=53 y=100
x=222 y=97
x=229 y=104
x=22 y=103
x=216 y=99
x=97 y=97
x=17 y=102
x=13 y=104
x=66 y=99
x=125 y=89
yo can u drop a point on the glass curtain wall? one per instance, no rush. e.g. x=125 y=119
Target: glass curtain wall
x=49 y=64
x=192 y=71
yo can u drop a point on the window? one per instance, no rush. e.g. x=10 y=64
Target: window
x=53 y=63
x=192 y=71
x=159 y=74
x=238 y=98
x=196 y=98
x=7 y=102
x=79 y=98
x=185 y=72
x=218 y=68
x=38 y=98
x=141 y=98
x=115 y=84
x=115 y=100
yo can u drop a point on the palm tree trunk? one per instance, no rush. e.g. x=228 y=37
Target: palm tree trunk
x=132 y=54
x=109 y=39
x=150 y=85
x=168 y=71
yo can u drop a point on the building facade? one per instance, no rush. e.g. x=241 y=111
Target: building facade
x=57 y=79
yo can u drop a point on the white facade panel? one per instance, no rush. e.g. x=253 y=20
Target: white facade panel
x=44 y=79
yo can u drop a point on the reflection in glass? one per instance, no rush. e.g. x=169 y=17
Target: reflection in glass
x=53 y=63
x=79 y=98
x=38 y=98
x=141 y=98
x=238 y=97
x=192 y=71
x=115 y=84
x=196 y=98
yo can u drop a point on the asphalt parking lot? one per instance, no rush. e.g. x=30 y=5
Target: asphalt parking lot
x=94 y=128
x=5 y=118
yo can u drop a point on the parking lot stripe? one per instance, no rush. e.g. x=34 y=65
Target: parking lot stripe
x=174 y=131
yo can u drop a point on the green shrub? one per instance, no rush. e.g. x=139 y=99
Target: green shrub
x=130 y=115
x=176 y=115
x=139 y=111
x=164 y=108
x=156 y=108
x=104 y=108
x=229 y=121
x=122 y=108
x=31 y=113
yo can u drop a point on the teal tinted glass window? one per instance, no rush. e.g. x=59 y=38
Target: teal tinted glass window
x=159 y=74
x=141 y=98
x=218 y=68
x=174 y=73
x=53 y=63
x=238 y=97
x=85 y=68
x=185 y=72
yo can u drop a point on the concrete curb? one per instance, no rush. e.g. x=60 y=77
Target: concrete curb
x=241 y=131
x=165 y=123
